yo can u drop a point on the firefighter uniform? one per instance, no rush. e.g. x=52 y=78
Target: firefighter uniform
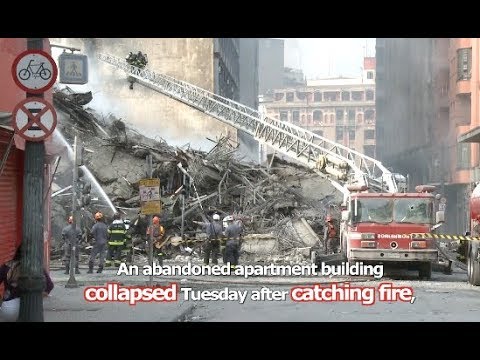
x=211 y=247
x=117 y=238
x=233 y=232
x=158 y=233
x=71 y=237
x=331 y=238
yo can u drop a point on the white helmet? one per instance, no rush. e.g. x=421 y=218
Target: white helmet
x=216 y=217
x=228 y=218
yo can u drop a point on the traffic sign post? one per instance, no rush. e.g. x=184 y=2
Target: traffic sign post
x=34 y=71
x=34 y=119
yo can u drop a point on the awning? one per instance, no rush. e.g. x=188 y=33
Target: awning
x=472 y=136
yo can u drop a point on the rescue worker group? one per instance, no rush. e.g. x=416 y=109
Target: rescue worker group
x=115 y=241
x=113 y=244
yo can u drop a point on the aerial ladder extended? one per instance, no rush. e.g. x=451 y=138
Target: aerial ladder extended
x=338 y=163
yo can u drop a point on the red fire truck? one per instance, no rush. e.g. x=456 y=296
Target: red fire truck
x=472 y=254
x=377 y=228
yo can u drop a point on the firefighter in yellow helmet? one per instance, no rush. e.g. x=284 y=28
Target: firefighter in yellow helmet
x=117 y=239
x=158 y=233
x=99 y=232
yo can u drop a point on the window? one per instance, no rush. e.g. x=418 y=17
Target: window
x=357 y=95
x=416 y=211
x=289 y=96
x=284 y=115
x=369 y=150
x=295 y=117
x=351 y=115
x=301 y=95
x=351 y=134
x=463 y=156
x=369 y=114
x=309 y=118
x=464 y=62
x=369 y=134
x=317 y=115
x=317 y=96
x=369 y=95
x=339 y=134
x=318 y=132
x=279 y=96
x=339 y=115
x=345 y=96
x=330 y=96
x=372 y=210
x=369 y=74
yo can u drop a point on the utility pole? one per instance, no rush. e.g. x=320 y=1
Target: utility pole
x=72 y=282
x=150 y=223
x=32 y=280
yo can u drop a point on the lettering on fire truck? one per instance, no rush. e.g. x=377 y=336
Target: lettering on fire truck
x=393 y=236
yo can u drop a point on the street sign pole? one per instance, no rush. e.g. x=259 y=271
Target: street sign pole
x=72 y=282
x=32 y=281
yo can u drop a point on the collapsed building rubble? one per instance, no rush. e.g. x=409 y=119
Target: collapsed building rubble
x=272 y=201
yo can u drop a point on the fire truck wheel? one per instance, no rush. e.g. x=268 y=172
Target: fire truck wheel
x=473 y=269
x=425 y=271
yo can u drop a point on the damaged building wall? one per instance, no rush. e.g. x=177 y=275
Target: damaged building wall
x=152 y=113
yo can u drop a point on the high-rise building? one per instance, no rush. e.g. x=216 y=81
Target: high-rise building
x=270 y=64
x=427 y=115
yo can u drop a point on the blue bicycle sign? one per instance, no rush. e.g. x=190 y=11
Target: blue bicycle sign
x=35 y=69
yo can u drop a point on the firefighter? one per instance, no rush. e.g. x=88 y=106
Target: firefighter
x=233 y=233
x=99 y=232
x=330 y=236
x=158 y=233
x=117 y=237
x=127 y=252
x=211 y=246
x=71 y=237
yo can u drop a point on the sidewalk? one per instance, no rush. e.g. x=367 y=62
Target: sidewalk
x=69 y=305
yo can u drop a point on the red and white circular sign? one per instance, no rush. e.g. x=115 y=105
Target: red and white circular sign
x=34 y=71
x=34 y=119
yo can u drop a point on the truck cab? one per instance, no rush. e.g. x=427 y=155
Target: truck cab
x=378 y=228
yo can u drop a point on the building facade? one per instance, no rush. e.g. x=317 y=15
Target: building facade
x=339 y=109
x=205 y=62
x=428 y=116
x=12 y=148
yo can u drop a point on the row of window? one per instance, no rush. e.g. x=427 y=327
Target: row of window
x=368 y=134
x=464 y=63
x=368 y=95
x=318 y=115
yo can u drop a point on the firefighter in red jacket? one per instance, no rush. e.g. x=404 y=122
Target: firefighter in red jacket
x=158 y=234
x=330 y=236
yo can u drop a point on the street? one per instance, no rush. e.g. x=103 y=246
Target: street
x=444 y=298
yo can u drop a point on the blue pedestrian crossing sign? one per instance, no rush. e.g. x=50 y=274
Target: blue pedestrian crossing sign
x=73 y=68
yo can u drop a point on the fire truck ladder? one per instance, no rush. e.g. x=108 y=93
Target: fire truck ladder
x=338 y=163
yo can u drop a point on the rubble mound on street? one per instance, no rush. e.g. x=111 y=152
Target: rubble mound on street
x=271 y=201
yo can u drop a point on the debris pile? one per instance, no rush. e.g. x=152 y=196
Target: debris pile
x=268 y=199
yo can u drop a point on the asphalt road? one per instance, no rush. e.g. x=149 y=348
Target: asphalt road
x=443 y=299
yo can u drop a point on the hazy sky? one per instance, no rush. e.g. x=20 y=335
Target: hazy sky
x=319 y=58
